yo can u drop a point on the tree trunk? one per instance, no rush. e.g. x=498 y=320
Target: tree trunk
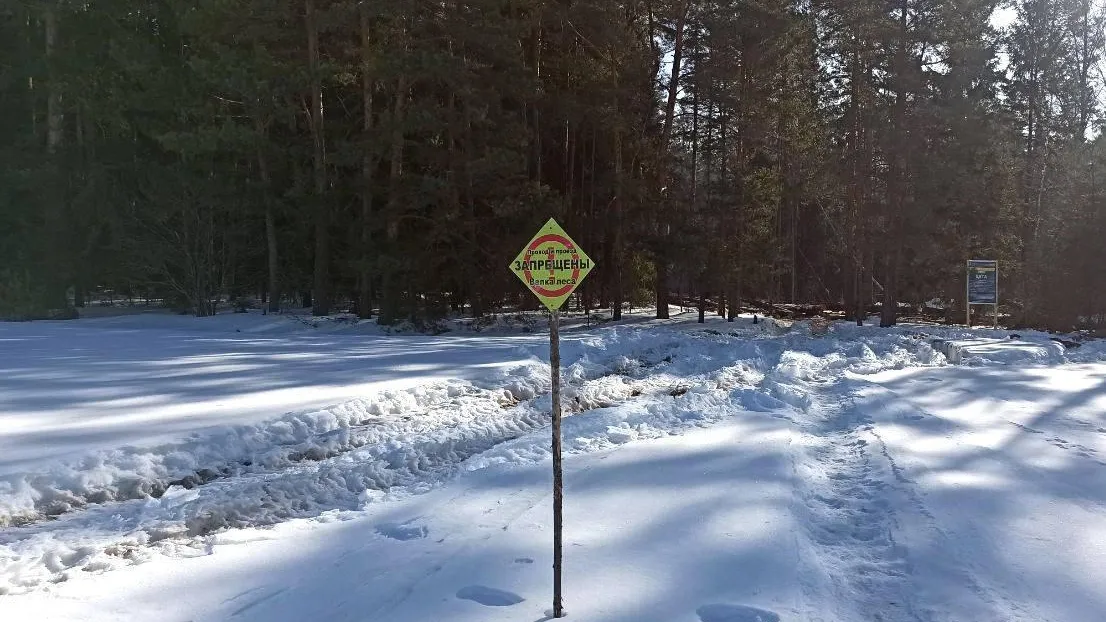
x=616 y=224
x=860 y=166
x=390 y=306
x=477 y=298
x=674 y=80
x=661 y=289
x=534 y=52
x=1086 y=62
x=368 y=163
x=270 y=234
x=273 y=306
x=55 y=212
x=661 y=258
x=695 y=150
x=897 y=182
x=587 y=292
x=794 y=252
x=889 y=310
x=321 y=284
x=53 y=98
x=858 y=298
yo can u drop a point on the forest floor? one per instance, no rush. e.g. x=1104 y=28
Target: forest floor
x=279 y=469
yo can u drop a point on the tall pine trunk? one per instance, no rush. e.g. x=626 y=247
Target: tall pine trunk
x=860 y=165
x=897 y=182
x=270 y=227
x=53 y=97
x=55 y=204
x=661 y=288
x=390 y=305
x=274 y=264
x=534 y=107
x=321 y=286
x=661 y=253
x=615 y=245
x=368 y=163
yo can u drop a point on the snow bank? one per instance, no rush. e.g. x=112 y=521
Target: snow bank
x=691 y=379
x=1025 y=350
x=133 y=473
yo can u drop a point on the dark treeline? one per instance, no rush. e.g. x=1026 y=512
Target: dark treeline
x=391 y=157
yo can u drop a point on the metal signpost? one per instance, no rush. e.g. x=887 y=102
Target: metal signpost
x=552 y=267
x=982 y=286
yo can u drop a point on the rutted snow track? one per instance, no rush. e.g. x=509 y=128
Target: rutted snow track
x=848 y=496
x=119 y=507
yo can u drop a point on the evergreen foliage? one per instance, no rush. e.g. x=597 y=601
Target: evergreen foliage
x=389 y=158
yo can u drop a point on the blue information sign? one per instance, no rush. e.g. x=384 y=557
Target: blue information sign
x=982 y=282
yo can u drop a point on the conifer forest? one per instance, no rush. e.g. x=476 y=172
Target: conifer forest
x=390 y=157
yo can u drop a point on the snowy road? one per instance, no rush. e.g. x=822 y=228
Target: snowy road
x=736 y=473
x=1005 y=471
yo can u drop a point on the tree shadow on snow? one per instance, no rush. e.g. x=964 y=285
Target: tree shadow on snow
x=1006 y=447
x=670 y=563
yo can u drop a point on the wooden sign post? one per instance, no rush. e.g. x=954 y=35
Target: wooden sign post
x=552 y=267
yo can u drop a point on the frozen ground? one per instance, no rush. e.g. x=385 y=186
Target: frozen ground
x=244 y=468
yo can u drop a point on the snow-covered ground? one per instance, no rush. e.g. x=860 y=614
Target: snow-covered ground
x=1003 y=477
x=105 y=383
x=251 y=468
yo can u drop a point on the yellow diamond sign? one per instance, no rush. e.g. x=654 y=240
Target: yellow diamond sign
x=552 y=265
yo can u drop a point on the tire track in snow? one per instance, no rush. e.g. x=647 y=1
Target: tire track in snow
x=852 y=519
x=922 y=525
x=923 y=522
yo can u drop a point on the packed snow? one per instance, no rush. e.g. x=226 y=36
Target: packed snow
x=246 y=467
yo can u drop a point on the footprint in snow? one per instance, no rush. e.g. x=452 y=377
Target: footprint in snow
x=402 y=532
x=489 y=596
x=735 y=613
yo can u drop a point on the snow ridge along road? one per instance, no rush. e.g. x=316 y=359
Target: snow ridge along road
x=860 y=520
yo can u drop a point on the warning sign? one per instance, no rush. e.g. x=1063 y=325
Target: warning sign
x=551 y=265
